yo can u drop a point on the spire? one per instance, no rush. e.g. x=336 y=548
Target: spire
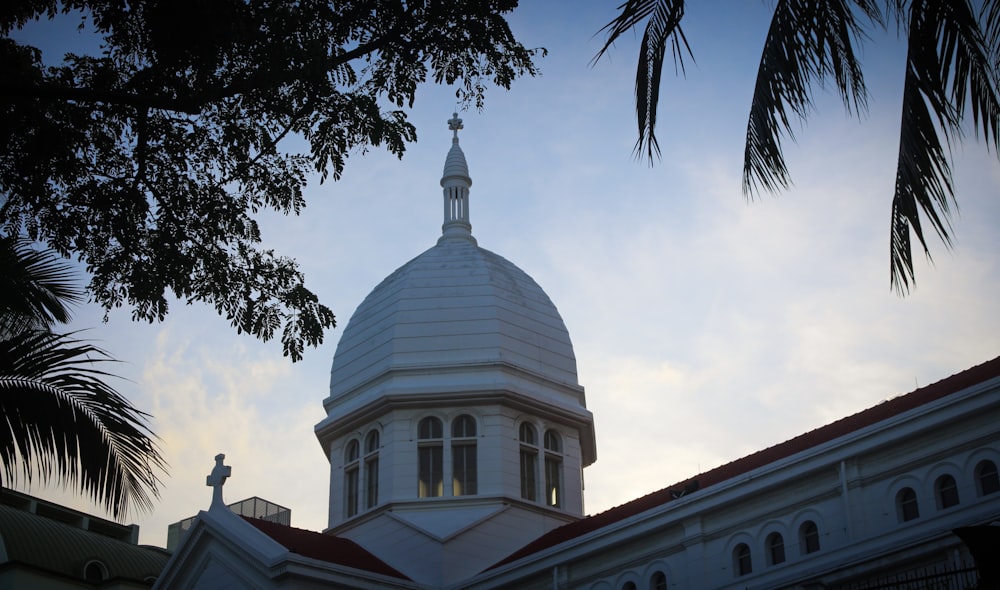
x=456 y=183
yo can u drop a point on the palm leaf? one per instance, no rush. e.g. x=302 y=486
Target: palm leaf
x=662 y=27
x=948 y=69
x=808 y=41
x=63 y=421
x=990 y=17
x=36 y=287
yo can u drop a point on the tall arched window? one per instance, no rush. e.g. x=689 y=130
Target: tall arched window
x=906 y=505
x=946 y=492
x=742 y=564
x=371 y=469
x=658 y=581
x=553 y=469
x=775 y=548
x=463 y=456
x=351 y=479
x=430 y=461
x=987 y=480
x=809 y=537
x=529 y=461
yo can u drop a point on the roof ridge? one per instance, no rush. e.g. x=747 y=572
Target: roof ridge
x=884 y=410
x=332 y=549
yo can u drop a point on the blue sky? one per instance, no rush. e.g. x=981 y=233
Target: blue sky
x=705 y=327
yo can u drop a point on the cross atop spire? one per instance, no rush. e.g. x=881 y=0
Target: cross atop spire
x=456 y=182
x=454 y=123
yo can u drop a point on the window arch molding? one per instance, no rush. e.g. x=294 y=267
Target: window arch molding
x=795 y=536
x=95 y=571
x=373 y=440
x=775 y=551
x=470 y=412
x=623 y=580
x=537 y=425
x=977 y=456
x=729 y=555
x=442 y=418
x=650 y=572
x=772 y=526
x=972 y=472
x=946 y=493
x=809 y=538
x=986 y=476
x=945 y=468
x=891 y=507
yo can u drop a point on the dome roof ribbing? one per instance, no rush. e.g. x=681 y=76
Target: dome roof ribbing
x=454 y=305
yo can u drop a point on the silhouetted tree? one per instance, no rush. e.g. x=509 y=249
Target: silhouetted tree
x=149 y=160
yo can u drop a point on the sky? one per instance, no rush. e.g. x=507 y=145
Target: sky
x=705 y=326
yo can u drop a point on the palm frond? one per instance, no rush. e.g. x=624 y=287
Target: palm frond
x=989 y=15
x=808 y=41
x=662 y=27
x=36 y=287
x=62 y=420
x=948 y=69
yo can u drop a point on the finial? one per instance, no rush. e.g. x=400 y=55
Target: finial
x=454 y=123
x=217 y=479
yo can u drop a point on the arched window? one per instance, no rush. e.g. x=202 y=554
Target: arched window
x=351 y=455
x=529 y=461
x=987 y=480
x=628 y=586
x=742 y=564
x=371 y=469
x=430 y=461
x=95 y=572
x=946 y=492
x=553 y=468
x=658 y=581
x=906 y=505
x=775 y=549
x=809 y=537
x=463 y=456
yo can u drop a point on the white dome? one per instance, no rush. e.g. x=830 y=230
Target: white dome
x=456 y=305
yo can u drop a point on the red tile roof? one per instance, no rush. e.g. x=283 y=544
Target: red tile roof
x=844 y=426
x=324 y=547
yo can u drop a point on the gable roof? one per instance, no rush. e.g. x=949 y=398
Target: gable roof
x=324 y=547
x=883 y=411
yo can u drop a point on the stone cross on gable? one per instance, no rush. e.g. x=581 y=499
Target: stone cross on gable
x=217 y=479
x=454 y=123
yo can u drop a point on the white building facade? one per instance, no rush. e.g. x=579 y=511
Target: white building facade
x=457 y=434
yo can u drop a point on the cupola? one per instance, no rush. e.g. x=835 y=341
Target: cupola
x=454 y=407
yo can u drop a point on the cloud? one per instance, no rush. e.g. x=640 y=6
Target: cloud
x=245 y=403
